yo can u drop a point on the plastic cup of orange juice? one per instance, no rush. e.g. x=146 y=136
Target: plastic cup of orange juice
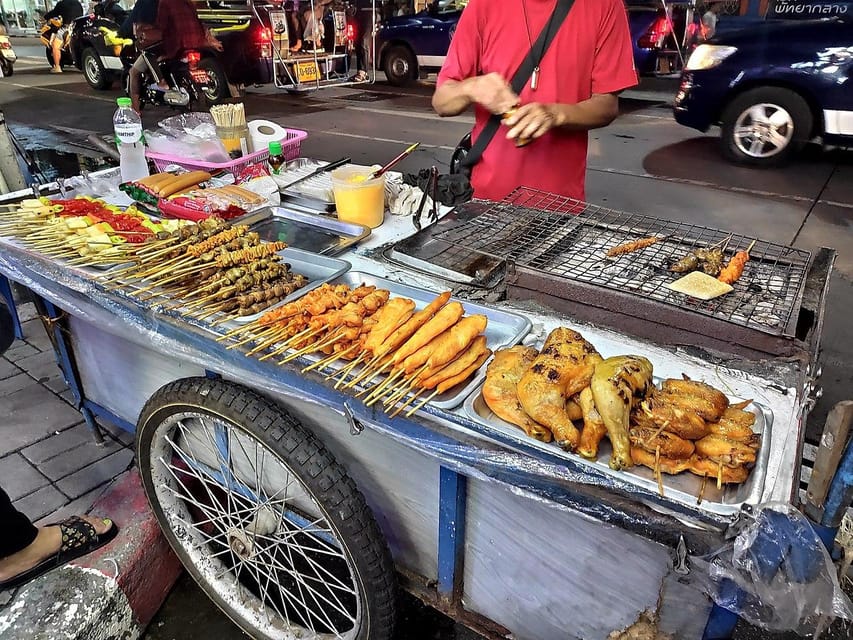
x=358 y=199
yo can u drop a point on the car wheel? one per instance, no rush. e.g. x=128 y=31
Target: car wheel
x=217 y=86
x=400 y=66
x=96 y=75
x=765 y=127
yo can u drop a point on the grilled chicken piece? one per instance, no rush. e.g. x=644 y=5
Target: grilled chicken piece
x=573 y=408
x=735 y=424
x=670 y=445
x=691 y=395
x=499 y=391
x=594 y=428
x=562 y=369
x=722 y=473
x=667 y=465
x=615 y=384
x=729 y=452
x=657 y=412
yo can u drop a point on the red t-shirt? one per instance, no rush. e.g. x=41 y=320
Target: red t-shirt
x=591 y=54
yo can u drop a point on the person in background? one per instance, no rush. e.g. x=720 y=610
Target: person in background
x=112 y=10
x=364 y=19
x=576 y=89
x=69 y=11
x=141 y=25
x=182 y=29
x=710 y=19
x=294 y=26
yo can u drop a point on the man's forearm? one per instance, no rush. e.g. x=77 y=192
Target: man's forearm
x=451 y=98
x=597 y=111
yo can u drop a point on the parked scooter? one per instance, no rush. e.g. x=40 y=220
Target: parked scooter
x=7 y=55
x=196 y=79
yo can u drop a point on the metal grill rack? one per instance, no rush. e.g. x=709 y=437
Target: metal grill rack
x=567 y=238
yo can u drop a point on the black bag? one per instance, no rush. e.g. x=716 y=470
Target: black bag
x=466 y=154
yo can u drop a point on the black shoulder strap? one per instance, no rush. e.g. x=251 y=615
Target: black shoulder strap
x=522 y=75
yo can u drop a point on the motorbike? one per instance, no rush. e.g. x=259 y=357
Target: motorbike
x=7 y=56
x=46 y=33
x=195 y=79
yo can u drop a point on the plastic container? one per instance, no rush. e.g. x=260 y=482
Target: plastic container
x=236 y=140
x=358 y=199
x=131 y=148
x=290 y=147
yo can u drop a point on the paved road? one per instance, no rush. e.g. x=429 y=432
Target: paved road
x=643 y=163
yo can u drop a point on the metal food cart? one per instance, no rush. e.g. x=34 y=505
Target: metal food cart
x=297 y=507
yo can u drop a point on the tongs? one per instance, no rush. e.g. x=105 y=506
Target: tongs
x=315 y=173
x=431 y=191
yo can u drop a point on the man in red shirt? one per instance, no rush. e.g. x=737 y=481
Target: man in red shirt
x=589 y=62
x=181 y=28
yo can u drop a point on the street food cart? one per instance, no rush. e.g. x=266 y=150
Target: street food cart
x=297 y=504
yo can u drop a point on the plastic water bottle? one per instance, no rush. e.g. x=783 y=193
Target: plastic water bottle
x=131 y=147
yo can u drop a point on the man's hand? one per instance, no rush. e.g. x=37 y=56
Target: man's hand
x=492 y=92
x=531 y=121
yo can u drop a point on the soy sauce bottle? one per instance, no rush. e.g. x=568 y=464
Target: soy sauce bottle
x=276 y=160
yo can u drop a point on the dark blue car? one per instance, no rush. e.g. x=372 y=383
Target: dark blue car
x=772 y=88
x=415 y=45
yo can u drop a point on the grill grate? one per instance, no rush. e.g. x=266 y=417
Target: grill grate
x=531 y=229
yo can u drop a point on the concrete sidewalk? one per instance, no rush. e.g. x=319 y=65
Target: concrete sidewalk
x=51 y=467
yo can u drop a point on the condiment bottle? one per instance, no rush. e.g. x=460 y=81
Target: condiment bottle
x=276 y=160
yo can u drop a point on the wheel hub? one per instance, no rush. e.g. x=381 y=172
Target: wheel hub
x=241 y=543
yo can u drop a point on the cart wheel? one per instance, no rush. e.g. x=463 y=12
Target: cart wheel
x=262 y=516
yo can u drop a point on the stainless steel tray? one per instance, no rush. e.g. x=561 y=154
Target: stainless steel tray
x=315 y=193
x=308 y=231
x=683 y=488
x=503 y=330
x=318 y=269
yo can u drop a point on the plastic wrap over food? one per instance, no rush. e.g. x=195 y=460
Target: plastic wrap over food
x=189 y=135
x=777 y=574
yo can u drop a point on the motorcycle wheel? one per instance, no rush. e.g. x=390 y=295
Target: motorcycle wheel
x=8 y=67
x=96 y=75
x=217 y=86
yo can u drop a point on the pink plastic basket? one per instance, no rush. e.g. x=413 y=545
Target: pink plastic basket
x=290 y=147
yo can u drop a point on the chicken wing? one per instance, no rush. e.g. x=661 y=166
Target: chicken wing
x=656 y=412
x=670 y=445
x=667 y=465
x=729 y=452
x=703 y=399
x=499 y=391
x=736 y=424
x=614 y=385
x=563 y=368
x=722 y=473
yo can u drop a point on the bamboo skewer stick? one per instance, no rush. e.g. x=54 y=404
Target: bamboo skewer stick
x=345 y=371
x=329 y=360
x=406 y=403
x=422 y=404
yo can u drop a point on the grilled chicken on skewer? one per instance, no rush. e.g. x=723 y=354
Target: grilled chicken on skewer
x=729 y=452
x=656 y=412
x=735 y=424
x=615 y=384
x=500 y=389
x=703 y=399
x=670 y=445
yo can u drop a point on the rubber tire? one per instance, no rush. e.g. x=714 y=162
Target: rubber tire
x=8 y=68
x=106 y=78
x=214 y=69
x=396 y=79
x=792 y=102
x=306 y=457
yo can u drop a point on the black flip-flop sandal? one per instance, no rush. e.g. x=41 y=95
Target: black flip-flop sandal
x=78 y=538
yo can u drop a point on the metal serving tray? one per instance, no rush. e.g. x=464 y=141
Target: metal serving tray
x=314 y=194
x=683 y=488
x=318 y=269
x=308 y=231
x=503 y=330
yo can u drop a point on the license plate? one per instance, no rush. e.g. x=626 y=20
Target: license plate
x=200 y=76
x=307 y=71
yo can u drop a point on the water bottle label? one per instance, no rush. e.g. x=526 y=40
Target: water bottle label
x=128 y=133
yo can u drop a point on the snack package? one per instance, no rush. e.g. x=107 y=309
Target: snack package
x=189 y=135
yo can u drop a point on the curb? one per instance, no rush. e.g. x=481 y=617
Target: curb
x=110 y=594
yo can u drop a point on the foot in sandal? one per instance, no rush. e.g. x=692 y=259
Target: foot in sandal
x=54 y=546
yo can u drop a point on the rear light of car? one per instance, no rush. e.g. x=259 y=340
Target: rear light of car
x=264 y=34
x=351 y=32
x=5 y=45
x=656 y=34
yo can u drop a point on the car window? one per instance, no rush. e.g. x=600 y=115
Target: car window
x=447 y=6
